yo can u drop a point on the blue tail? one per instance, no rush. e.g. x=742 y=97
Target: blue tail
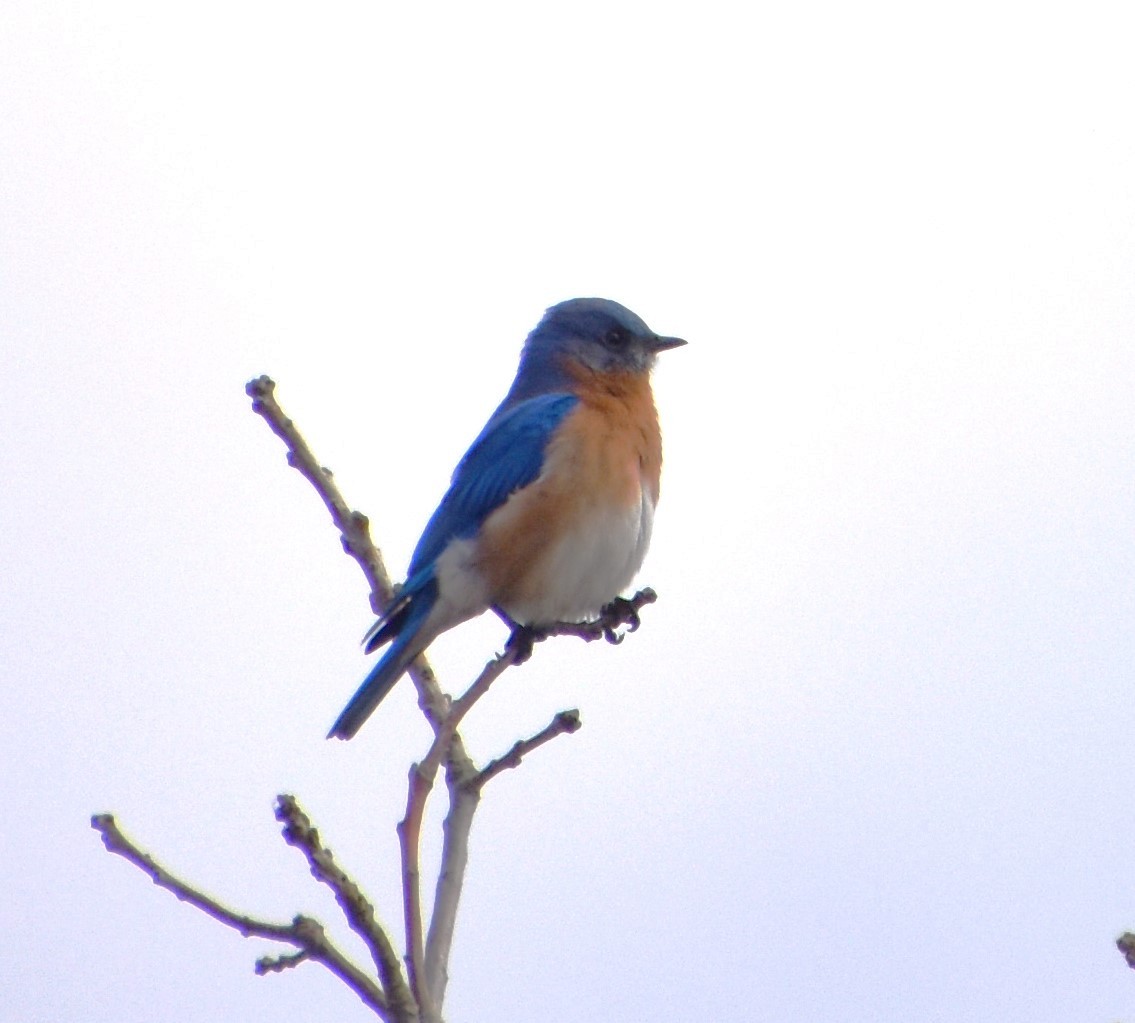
x=406 y=627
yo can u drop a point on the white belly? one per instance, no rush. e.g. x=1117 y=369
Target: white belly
x=571 y=580
x=587 y=568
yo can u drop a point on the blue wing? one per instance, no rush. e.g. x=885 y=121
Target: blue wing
x=508 y=455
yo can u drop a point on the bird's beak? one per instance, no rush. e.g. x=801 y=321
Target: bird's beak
x=660 y=344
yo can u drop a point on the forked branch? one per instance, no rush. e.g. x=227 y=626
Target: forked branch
x=417 y=996
x=303 y=932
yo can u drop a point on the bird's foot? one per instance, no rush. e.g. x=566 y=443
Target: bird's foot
x=522 y=640
x=615 y=620
x=623 y=611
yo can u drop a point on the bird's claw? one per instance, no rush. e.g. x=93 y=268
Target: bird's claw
x=521 y=642
x=620 y=612
x=615 y=620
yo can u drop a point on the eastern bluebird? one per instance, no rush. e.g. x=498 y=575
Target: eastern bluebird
x=548 y=515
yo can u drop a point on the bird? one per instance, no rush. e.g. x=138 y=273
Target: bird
x=549 y=513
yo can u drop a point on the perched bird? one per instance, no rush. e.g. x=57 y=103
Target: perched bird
x=548 y=515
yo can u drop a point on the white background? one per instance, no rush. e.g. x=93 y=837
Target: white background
x=871 y=756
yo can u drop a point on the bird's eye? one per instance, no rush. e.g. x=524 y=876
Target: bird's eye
x=616 y=338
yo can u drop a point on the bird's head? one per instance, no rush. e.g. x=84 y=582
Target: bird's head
x=593 y=333
x=597 y=333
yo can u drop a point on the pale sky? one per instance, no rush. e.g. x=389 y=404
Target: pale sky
x=870 y=757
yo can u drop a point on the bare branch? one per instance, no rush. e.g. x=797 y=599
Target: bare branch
x=416 y=997
x=421 y=781
x=298 y=832
x=463 y=802
x=435 y=705
x=566 y=721
x=409 y=838
x=426 y=960
x=461 y=706
x=303 y=932
x=116 y=842
x=354 y=531
x=280 y=963
x=353 y=526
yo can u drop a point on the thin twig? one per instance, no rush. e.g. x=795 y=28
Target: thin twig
x=464 y=797
x=303 y=932
x=354 y=531
x=280 y=963
x=409 y=840
x=353 y=526
x=566 y=721
x=429 y=984
x=426 y=960
x=463 y=802
x=421 y=782
x=461 y=706
x=435 y=705
x=298 y=832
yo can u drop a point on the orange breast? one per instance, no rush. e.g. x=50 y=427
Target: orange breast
x=606 y=458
